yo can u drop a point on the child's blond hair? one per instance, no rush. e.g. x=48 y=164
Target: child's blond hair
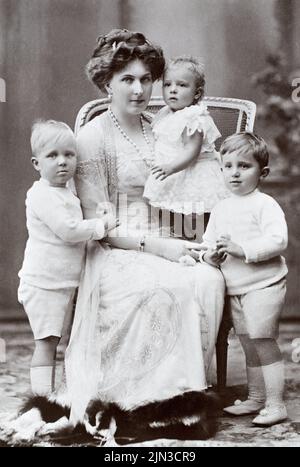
x=195 y=67
x=40 y=134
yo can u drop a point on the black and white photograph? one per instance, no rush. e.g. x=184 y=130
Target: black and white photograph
x=150 y=216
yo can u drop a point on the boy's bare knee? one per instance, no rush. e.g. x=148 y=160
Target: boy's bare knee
x=45 y=351
x=268 y=350
x=47 y=342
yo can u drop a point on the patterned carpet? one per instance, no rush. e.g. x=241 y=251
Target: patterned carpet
x=14 y=384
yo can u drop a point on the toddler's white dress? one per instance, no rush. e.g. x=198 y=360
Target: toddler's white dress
x=200 y=186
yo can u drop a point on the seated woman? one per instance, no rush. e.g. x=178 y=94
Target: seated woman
x=145 y=325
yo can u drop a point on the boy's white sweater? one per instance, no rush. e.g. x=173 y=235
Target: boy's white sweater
x=56 y=237
x=256 y=223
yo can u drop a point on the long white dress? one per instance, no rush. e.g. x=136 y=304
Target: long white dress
x=145 y=327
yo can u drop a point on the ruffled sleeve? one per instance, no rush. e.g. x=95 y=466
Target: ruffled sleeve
x=199 y=119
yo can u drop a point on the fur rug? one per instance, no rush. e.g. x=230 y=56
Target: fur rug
x=189 y=416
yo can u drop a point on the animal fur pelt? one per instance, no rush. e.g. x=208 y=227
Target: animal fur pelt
x=191 y=415
x=50 y=411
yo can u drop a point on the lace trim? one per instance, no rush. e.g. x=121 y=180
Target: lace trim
x=110 y=159
x=91 y=169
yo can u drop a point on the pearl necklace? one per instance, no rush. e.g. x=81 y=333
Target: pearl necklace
x=149 y=162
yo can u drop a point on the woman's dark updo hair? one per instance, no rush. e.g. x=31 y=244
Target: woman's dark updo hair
x=116 y=50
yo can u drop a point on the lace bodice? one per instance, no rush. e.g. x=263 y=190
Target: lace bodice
x=132 y=170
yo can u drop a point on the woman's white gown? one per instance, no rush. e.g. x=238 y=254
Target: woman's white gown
x=145 y=328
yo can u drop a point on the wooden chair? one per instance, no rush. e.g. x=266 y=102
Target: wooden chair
x=231 y=116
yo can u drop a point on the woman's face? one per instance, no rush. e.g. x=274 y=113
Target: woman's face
x=131 y=88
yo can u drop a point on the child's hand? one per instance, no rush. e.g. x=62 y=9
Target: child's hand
x=162 y=171
x=225 y=245
x=214 y=257
x=110 y=221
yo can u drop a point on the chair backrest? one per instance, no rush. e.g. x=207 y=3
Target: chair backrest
x=229 y=114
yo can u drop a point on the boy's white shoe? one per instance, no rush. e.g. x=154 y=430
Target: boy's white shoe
x=246 y=407
x=271 y=415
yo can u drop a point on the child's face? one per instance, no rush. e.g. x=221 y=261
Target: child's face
x=242 y=172
x=179 y=87
x=56 y=160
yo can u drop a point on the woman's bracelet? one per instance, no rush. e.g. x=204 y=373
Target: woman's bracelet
x=142 y=243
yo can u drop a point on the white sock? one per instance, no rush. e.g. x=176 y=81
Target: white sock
x=256 y=384
x=42 y=379
x=274 y=383
x=256 y=394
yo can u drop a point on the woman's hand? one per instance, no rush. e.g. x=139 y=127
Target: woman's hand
x=170 y=248
x=210 y=255
x=187 y=260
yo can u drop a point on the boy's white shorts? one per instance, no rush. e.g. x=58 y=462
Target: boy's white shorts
x=47 y=309
x=257 y=312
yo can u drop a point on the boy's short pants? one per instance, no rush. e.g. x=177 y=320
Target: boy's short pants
x=257 y=312
x=47 y=309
